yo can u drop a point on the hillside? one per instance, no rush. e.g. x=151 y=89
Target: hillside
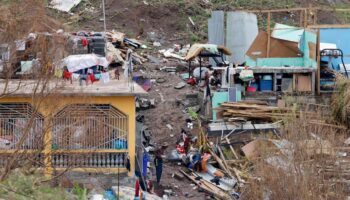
x=169 y=18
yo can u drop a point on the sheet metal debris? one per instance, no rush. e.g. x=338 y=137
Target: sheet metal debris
x=64 y=5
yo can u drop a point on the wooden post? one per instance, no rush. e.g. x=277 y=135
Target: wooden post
x=301 y=18
x=232 y=149
x=318 y=77
x=48 y=170
x=294 y=82
x=313 y=82
x=305 y=18
x=268 y=34
x=275 y=82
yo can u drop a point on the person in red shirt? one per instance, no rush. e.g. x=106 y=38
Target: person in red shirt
x=92 y=78
x=67 y=75
x=84 y=41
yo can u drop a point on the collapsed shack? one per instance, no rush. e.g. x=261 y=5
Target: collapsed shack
x=301 y=150
x=294 y=139
x=309 y=157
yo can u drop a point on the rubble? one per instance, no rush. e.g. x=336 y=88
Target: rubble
x=347 y=141
x=153 y=59
x=64 y=5
x=169 y=53
x=143 y=103
x=126 y=193
x=180 y=85
x=160 y=80
x=178 y=176
x=168 y=69
x=169 y=127
x=157 y=44
x=161 y=97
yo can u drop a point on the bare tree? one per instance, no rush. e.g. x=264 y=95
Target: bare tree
x=27 y=34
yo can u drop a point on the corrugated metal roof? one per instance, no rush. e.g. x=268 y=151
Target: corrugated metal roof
x=242 y=29
x=288 y=33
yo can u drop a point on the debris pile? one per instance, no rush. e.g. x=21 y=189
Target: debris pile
x=178 y=52
x=238 y=111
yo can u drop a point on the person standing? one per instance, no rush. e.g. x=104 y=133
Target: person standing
x=158 y=162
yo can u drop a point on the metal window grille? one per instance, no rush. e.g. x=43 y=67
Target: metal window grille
x=20 y=126
x=90 y=126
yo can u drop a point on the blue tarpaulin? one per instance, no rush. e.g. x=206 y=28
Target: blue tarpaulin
x=340 y=37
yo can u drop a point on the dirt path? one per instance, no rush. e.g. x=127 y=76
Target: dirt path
x=164 y=113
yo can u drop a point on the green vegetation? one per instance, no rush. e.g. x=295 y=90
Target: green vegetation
x=80 y=192
x=21 y=186
x=344 y=17
x=341 y=102
x=194 y=38
x=193 y=114
x=255 y=4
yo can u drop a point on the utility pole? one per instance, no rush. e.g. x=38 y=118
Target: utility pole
x=105 y=31
x=118 y=182
x=104 y=15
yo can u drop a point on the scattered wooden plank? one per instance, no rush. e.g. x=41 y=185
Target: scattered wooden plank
x=328 y=125
x=232 y=149
x=220 y=162
x=257 y=102
x=197 y=182
x=208 y=187
x=224 y=161
x=238 y=174
x=216 y=190
x=236 y=161
x=249 y=106
x=192 y=22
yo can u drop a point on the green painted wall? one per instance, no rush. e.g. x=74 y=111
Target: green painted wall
x=218 y=98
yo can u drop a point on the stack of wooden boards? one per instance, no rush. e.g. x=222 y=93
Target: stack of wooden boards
x=252 y=111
